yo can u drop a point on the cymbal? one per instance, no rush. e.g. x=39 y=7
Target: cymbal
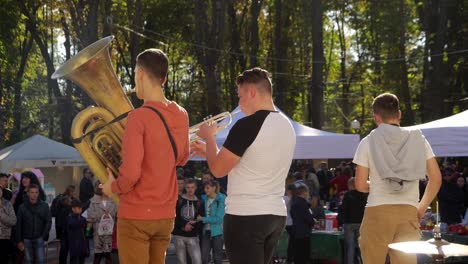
x=431 y=247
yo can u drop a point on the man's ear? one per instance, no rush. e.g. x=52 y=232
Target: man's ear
x=164 y=81
x=399 y=115
x=252 y=91
x=377 y=118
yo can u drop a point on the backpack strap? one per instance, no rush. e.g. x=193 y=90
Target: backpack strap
x=174 y=147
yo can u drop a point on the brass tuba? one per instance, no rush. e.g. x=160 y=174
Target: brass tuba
x=91 y=69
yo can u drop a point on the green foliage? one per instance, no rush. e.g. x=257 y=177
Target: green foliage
x=360 y=40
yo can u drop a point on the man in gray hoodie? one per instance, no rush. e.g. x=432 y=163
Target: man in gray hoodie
x=390 y=161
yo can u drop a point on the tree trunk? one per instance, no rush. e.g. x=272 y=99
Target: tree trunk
x=134 y=10
x=435 y=25
x=318 y=62
x=41 y=41
x=68 y=108
x=17 y=107
x=237 y=56
x=208 y=57
x=106 y=18
x=343 y=72
x=408 y=115
x=255 y=8
x=279 y=52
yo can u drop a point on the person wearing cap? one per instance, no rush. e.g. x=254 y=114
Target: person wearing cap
x=73 y=232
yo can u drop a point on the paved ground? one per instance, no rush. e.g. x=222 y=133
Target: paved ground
x=53 y=256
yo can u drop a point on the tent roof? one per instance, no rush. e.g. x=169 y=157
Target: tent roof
x=39 y=151
x=448 y=136
x=311 y=143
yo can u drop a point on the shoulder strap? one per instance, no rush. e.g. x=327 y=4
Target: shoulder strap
x=174 y=147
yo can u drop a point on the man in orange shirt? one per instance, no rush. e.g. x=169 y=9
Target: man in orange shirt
x=147 y=183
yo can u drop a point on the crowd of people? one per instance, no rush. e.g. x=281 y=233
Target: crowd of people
x=198 y=232
x=335 y=192
x=26 y=219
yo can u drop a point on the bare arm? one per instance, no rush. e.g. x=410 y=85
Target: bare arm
x=221 y=161
x=432 y=187
x=362 y=176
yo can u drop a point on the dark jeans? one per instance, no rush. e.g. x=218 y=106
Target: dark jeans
x=105 y=256
x=34 y=249
x=77 y=260
x=6 y=250
x=63 y=251
x=252 y=239
x=290 y=252
x=212 y=243
x=351 y=235
x=302 y=249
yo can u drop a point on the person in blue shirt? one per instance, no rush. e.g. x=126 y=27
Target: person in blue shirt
x=212 y=234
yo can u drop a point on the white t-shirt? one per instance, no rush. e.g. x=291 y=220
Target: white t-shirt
x=265 y=141
x=378 y=194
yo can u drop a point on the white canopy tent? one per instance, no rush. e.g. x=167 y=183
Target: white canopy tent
x=448 y=136
x=311 y=143
x=38 y=152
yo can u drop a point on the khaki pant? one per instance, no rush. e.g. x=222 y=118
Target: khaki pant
x=386 y=224
x=143 y=241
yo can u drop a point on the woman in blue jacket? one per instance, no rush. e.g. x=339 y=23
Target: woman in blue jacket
x=212 y=235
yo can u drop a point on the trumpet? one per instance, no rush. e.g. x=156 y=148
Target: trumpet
x=212 y=120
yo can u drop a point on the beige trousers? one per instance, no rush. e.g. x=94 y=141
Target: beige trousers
x=386 y=224
x=143 y=241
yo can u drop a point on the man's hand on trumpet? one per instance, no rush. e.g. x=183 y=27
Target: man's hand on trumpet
x=206 y=131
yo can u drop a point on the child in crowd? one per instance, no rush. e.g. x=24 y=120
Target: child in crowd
x=74 y=232
x=101 y=214
x=303 y=220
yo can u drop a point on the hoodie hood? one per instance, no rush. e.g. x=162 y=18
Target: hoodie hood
x=398 y=154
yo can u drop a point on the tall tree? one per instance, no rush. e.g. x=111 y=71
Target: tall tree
x=408 y=115
x=209 y=37
x=318 y=62
x=253 y=39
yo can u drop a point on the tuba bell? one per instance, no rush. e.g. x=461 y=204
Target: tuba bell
x=91 y=69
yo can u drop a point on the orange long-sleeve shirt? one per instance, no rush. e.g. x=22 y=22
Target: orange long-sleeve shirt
x=147 y=181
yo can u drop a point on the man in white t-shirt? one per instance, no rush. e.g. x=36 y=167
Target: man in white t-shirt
x=257 y=155
x=390 y=161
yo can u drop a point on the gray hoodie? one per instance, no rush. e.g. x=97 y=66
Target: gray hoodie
x=398 y=155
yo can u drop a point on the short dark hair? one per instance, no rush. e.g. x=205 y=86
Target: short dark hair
x=190 y=181
x=300 y=189
x=298 y=175
x=76 y=203
x=386 y=105
x=257 y=76
x=4 y=175
x=154 y=62
x=291 y=187
x=34 y=186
